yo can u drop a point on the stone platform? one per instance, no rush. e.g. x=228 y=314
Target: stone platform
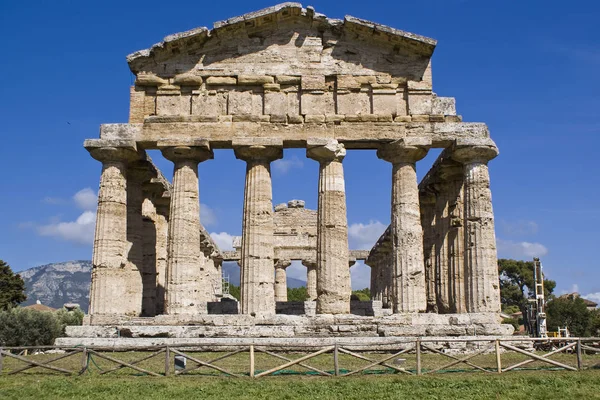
x=291 y=329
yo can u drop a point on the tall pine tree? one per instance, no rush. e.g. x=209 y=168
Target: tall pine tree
x=12 y=287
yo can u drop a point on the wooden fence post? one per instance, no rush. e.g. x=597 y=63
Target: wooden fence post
x=84 y=360
x=1 y=359
x=498 y=360
x=579 y=356
x=251 y=361
x=167 y=361
x=418 y=350
x=335 y=360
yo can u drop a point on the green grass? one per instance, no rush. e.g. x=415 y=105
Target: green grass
x=380 y=383
x=517 y=385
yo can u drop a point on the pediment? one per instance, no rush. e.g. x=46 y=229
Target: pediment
x=287 y=39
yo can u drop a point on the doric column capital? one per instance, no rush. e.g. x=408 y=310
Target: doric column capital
x=249 y=149
x=197 y=150
x=408 y=150
x=480 y=151
x=325 y=150
x=282 y=263
x=309 y=263
x=140 y=171
x=113 y=150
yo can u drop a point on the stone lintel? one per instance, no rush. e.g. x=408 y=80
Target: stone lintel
x=354 y=135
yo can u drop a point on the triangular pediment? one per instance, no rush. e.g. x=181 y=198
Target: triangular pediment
x=288 y=39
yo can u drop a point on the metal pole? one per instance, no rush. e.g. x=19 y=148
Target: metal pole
x=335 y=360
x=252 y=361
x=167 y=361
x=418 y=349
x=498 y=361
x=579 y=356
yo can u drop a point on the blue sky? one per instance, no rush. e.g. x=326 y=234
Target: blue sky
x=528 y=69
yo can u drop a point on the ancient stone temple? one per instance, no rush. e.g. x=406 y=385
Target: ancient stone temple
x=289 y=77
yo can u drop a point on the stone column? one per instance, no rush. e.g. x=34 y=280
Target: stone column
x=428 y=221
x=257 y=291
x=187 y=291
x=408 y=283
x=374 y=286
x=311 y=279
x=333 y=276
x=481 y=265
x=109 y=260
x=161 y=225
x=281 y=279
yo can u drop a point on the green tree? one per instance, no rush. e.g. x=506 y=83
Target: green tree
x=297 y=294
x=570 y=312
x=12 y=287
x=67 y=318
x=235 y=291
x=517 y=284
x=362 y=295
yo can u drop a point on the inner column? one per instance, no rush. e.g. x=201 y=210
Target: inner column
x=188 y=291
x=257 y=275
x=408 y=283
x=333 y=274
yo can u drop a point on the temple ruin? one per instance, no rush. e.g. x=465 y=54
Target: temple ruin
x=289 y=77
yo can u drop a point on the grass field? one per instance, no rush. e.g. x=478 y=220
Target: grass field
x=460 y=381
x=512 y=385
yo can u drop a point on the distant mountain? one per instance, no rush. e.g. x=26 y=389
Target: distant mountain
x=69 y=282
x=232 y=270
x=56 y=284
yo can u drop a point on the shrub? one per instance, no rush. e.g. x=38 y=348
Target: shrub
x=25 y=327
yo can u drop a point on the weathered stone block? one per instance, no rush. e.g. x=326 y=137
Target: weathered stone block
x=254 y=79
x=353 y=103
x=317 y=103
x=221 y=80
x=245 y=103
x=443 y=106
x=176 y=104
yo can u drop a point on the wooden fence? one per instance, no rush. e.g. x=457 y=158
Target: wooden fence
x=420 y=356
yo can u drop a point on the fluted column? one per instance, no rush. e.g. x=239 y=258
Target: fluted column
x=333 y=274
x=408 y=283
x=187 y=290
x=311 y=279
x=428 y=222
x=481 y=264
x=374 y=282
x=109 y=260
x=257 y=276
x=161 y=224
x=281 y=279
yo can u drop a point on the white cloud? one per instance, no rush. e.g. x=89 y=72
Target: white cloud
x=86 y=199
x=520 y=250
x=224 y=240
x=283 y=165
x=360 y=275
x=207 y=215
x=363 y=236
x=80 y=231
x=593 y=297
x=518 y=228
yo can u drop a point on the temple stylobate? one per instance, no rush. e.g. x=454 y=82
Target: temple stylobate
x=289 y=77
